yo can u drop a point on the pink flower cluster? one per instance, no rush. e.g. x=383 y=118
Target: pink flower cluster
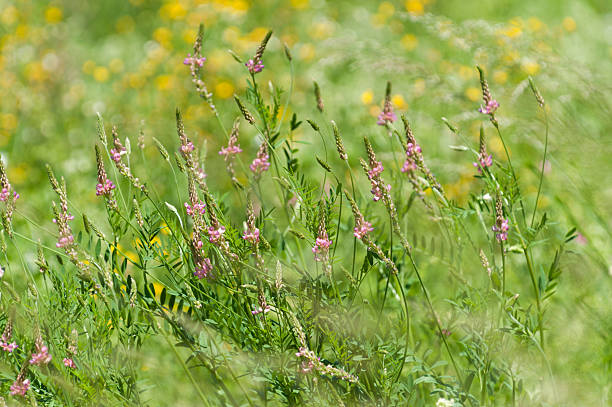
x=484 y=161
x=321 y=247
x=378 y=187
x=362 y=228
x=313 y=362
x=386 y=116
x=68 y=362
x=254 y=65
x=117 y=152
x=4 y=194
x=189 y=60
x=261 y=162
x=187 y=148
x=65 y=241
x=20 y=386
x=203 y=268
x=260 y=310
x=251 y=235
x=501 y=228
x=42 y=356
x=8 y=347
x=490 y=107
x=198 y=208
x=215 y=236
x=106 y=188
x=230 y=150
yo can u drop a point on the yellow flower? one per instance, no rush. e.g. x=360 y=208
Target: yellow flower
x=231 y=34
x=569 y=24
x=513 y=32
x=399 y=102
x=414 y=7
x=419 y=87
x=35 y=72
x=239 y=6
x=116 y=65
x=189 y=35
x=500 y=77
x=307 y=52
x=224 y=89
x=409 y=42
x=173 y=11
x=101 y=74
x=367 y=97
x=321 y=31
x=53 y=15
x=472 y=94
x=466 y=72
x=9 y=15
x=163 y=82
x=124 y=24
x=374 y=110
x=135 y=81
x=530 y=67
x=386 y=9
x=8 y=121
x=535 y=24
x=300 y=4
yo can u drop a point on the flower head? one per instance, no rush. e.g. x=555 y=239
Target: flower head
x=203 y=268
x=254 y=66
x=261 y=162
x=68 y=362
x=20 y=386
x=387 y=116
x=41 y=357
x=501 y=226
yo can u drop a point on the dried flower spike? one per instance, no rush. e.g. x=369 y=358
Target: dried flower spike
x=317 y=92
x=484 y=159
x=247 y=115
x=490 y=104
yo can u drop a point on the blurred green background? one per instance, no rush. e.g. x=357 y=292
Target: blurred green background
x=63 y=61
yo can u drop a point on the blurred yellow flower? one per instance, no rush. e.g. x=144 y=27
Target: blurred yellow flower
x=307 y=52
x=500 y=77
x=8 y=121
x=367 y=97
x=116 y=65
x=300 y=4
x=101 y=74
x=419 y=87
x=9 y=15
x=399 y=102
x=173 y=11
x=569 y=24
x=231 y=34
x=409 y=42
x=374 y=110
x=321 y=30
x=530 y=67
x=89 y=66
x=466 y=72
x=535 y=24
x=124 y=24
x=386 y=9
x=257 y=34
x=135 y=81
x=53 y=15
x=512 y=32
x=239 y=5
x=510 y=56
x=22 y=31
x=414 y=7
x=189 y=35
x=35 y=72
x=163 y=35
x=224 y=89
x=472 y=94
x=163 y=82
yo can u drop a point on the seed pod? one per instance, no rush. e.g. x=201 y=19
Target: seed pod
x=247 y=115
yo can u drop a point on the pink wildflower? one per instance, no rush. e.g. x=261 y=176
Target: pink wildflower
x=69 y=363
x=194 y=60
x=20 y=386
x=215 y=236
x=490 y=107
x=106 y=188
x=261 y=162
x=362 y=228
x=254 y=65
x=203 y=268
x=42 y=357
x=196 y=208
x=251 y=235
x=9 y=347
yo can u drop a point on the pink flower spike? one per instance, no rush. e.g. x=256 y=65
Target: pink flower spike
x=8 y=347
x=490 y=107
x=203 y=268
x=254 y=66
x=20 y=386
x=69 y=363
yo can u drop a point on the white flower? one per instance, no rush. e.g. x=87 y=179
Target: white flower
x=442 y=402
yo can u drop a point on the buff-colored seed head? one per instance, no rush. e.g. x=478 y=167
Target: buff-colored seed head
x=247 y=115
x=319 y=99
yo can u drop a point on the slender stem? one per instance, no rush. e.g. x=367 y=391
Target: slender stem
x=535 y=208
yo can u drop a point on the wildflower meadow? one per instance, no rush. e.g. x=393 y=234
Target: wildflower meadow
x=305 y=202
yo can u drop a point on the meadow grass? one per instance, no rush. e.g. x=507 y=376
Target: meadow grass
x=358 y=204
